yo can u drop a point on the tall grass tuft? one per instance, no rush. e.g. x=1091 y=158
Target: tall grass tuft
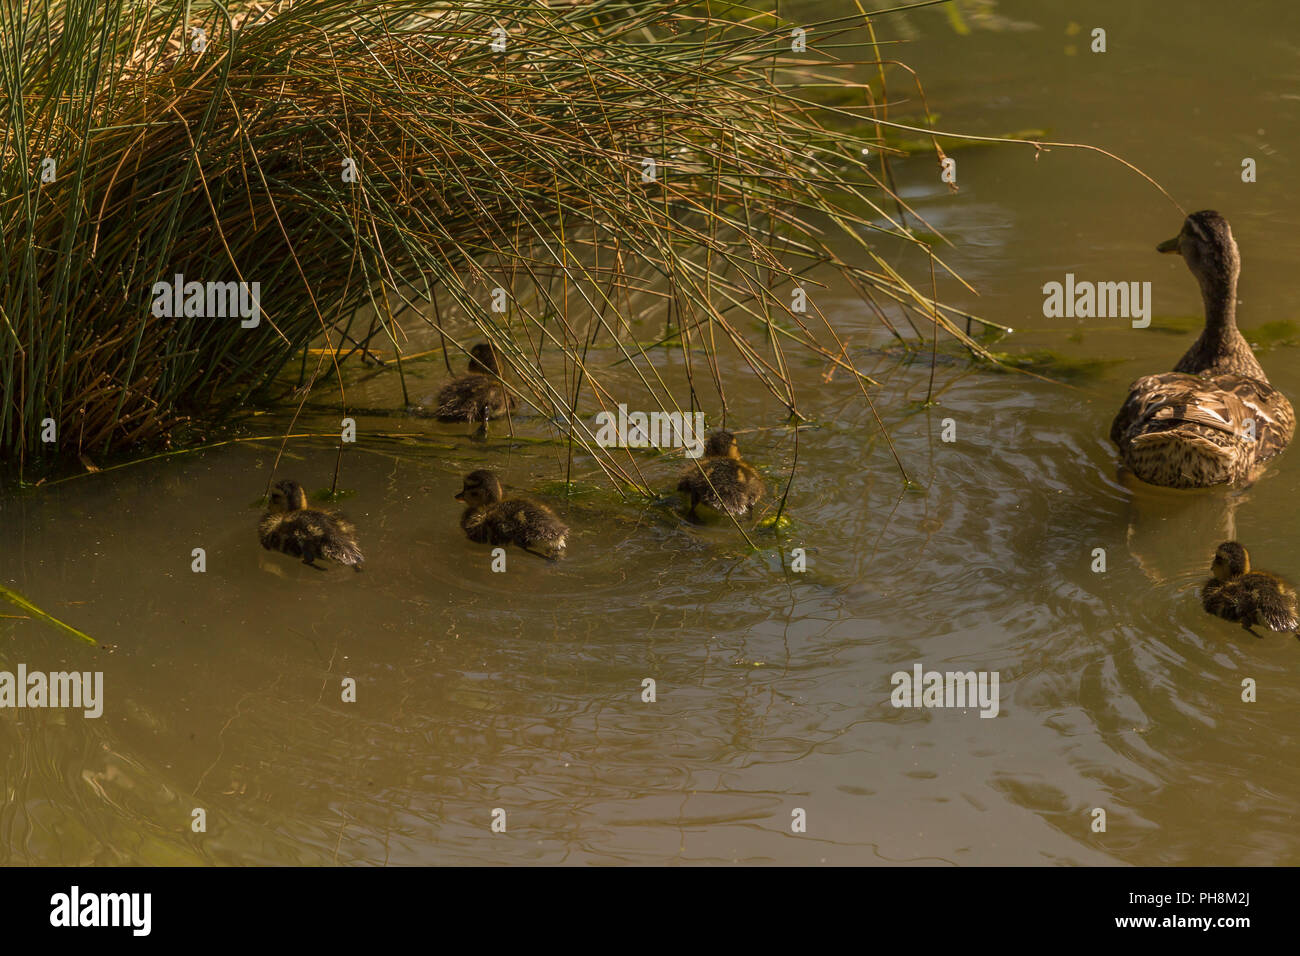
x=219 y=155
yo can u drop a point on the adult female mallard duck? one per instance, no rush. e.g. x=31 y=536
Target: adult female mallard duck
x=722 y=479
x=1236 y=593
x=477 y=396
x=292 y=528
x=1215 y=417
x=491 y=518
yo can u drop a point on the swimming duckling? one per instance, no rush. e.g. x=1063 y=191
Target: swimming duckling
x=1236 y=593
x=722 y=479
x=289 y=526
x=1215 y=417
x=479 y=395
x=488 y=519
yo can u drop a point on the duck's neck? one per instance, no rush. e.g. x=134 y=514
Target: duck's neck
x=1220 y=298
x=1220 y=345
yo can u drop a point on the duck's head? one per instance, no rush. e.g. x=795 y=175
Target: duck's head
x=482 y=488
x=287 y=496
x=721 y=444
x=483 y=359
x=1231 y=560
x=1207 y=246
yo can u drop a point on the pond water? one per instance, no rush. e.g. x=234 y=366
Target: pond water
x=522 y=691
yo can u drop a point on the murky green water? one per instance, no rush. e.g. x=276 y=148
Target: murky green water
x=522 y=691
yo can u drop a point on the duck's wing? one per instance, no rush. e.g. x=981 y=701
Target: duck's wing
x=527 y=523
x=1236 y=405
x=339 y=523
x=474 y=398
x=545 y=523
x=1172 y=398
x=460 y=398
x=752 y=479
x=1273 y=602
x=331 y=535
x=692 y=474
x=1271 y=413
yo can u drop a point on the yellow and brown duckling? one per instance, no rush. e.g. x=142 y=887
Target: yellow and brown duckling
x=478 y=396
x=491 y=518
x=292 y=528
x=1238 y=594
x=1215 y=417
x=722 y=479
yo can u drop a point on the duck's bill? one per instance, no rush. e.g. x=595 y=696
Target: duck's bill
x=460 y=496
x=1169 y=245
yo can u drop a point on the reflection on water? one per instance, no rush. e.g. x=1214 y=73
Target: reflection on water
x=523 y=691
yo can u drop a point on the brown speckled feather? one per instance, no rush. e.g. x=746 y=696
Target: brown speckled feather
x=473 y=398
x=724 y=484
x=310 y=534
x=1192 y=431
x=518 y=521
x=1250 y=599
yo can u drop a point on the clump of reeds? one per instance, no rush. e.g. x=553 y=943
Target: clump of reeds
x=477 y=166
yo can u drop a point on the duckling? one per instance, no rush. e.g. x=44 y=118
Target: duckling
x=490 y=518
x=479 y=395
x=289 y=526
x=722 y=479
x=1215 y=418
x=1236 y=593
